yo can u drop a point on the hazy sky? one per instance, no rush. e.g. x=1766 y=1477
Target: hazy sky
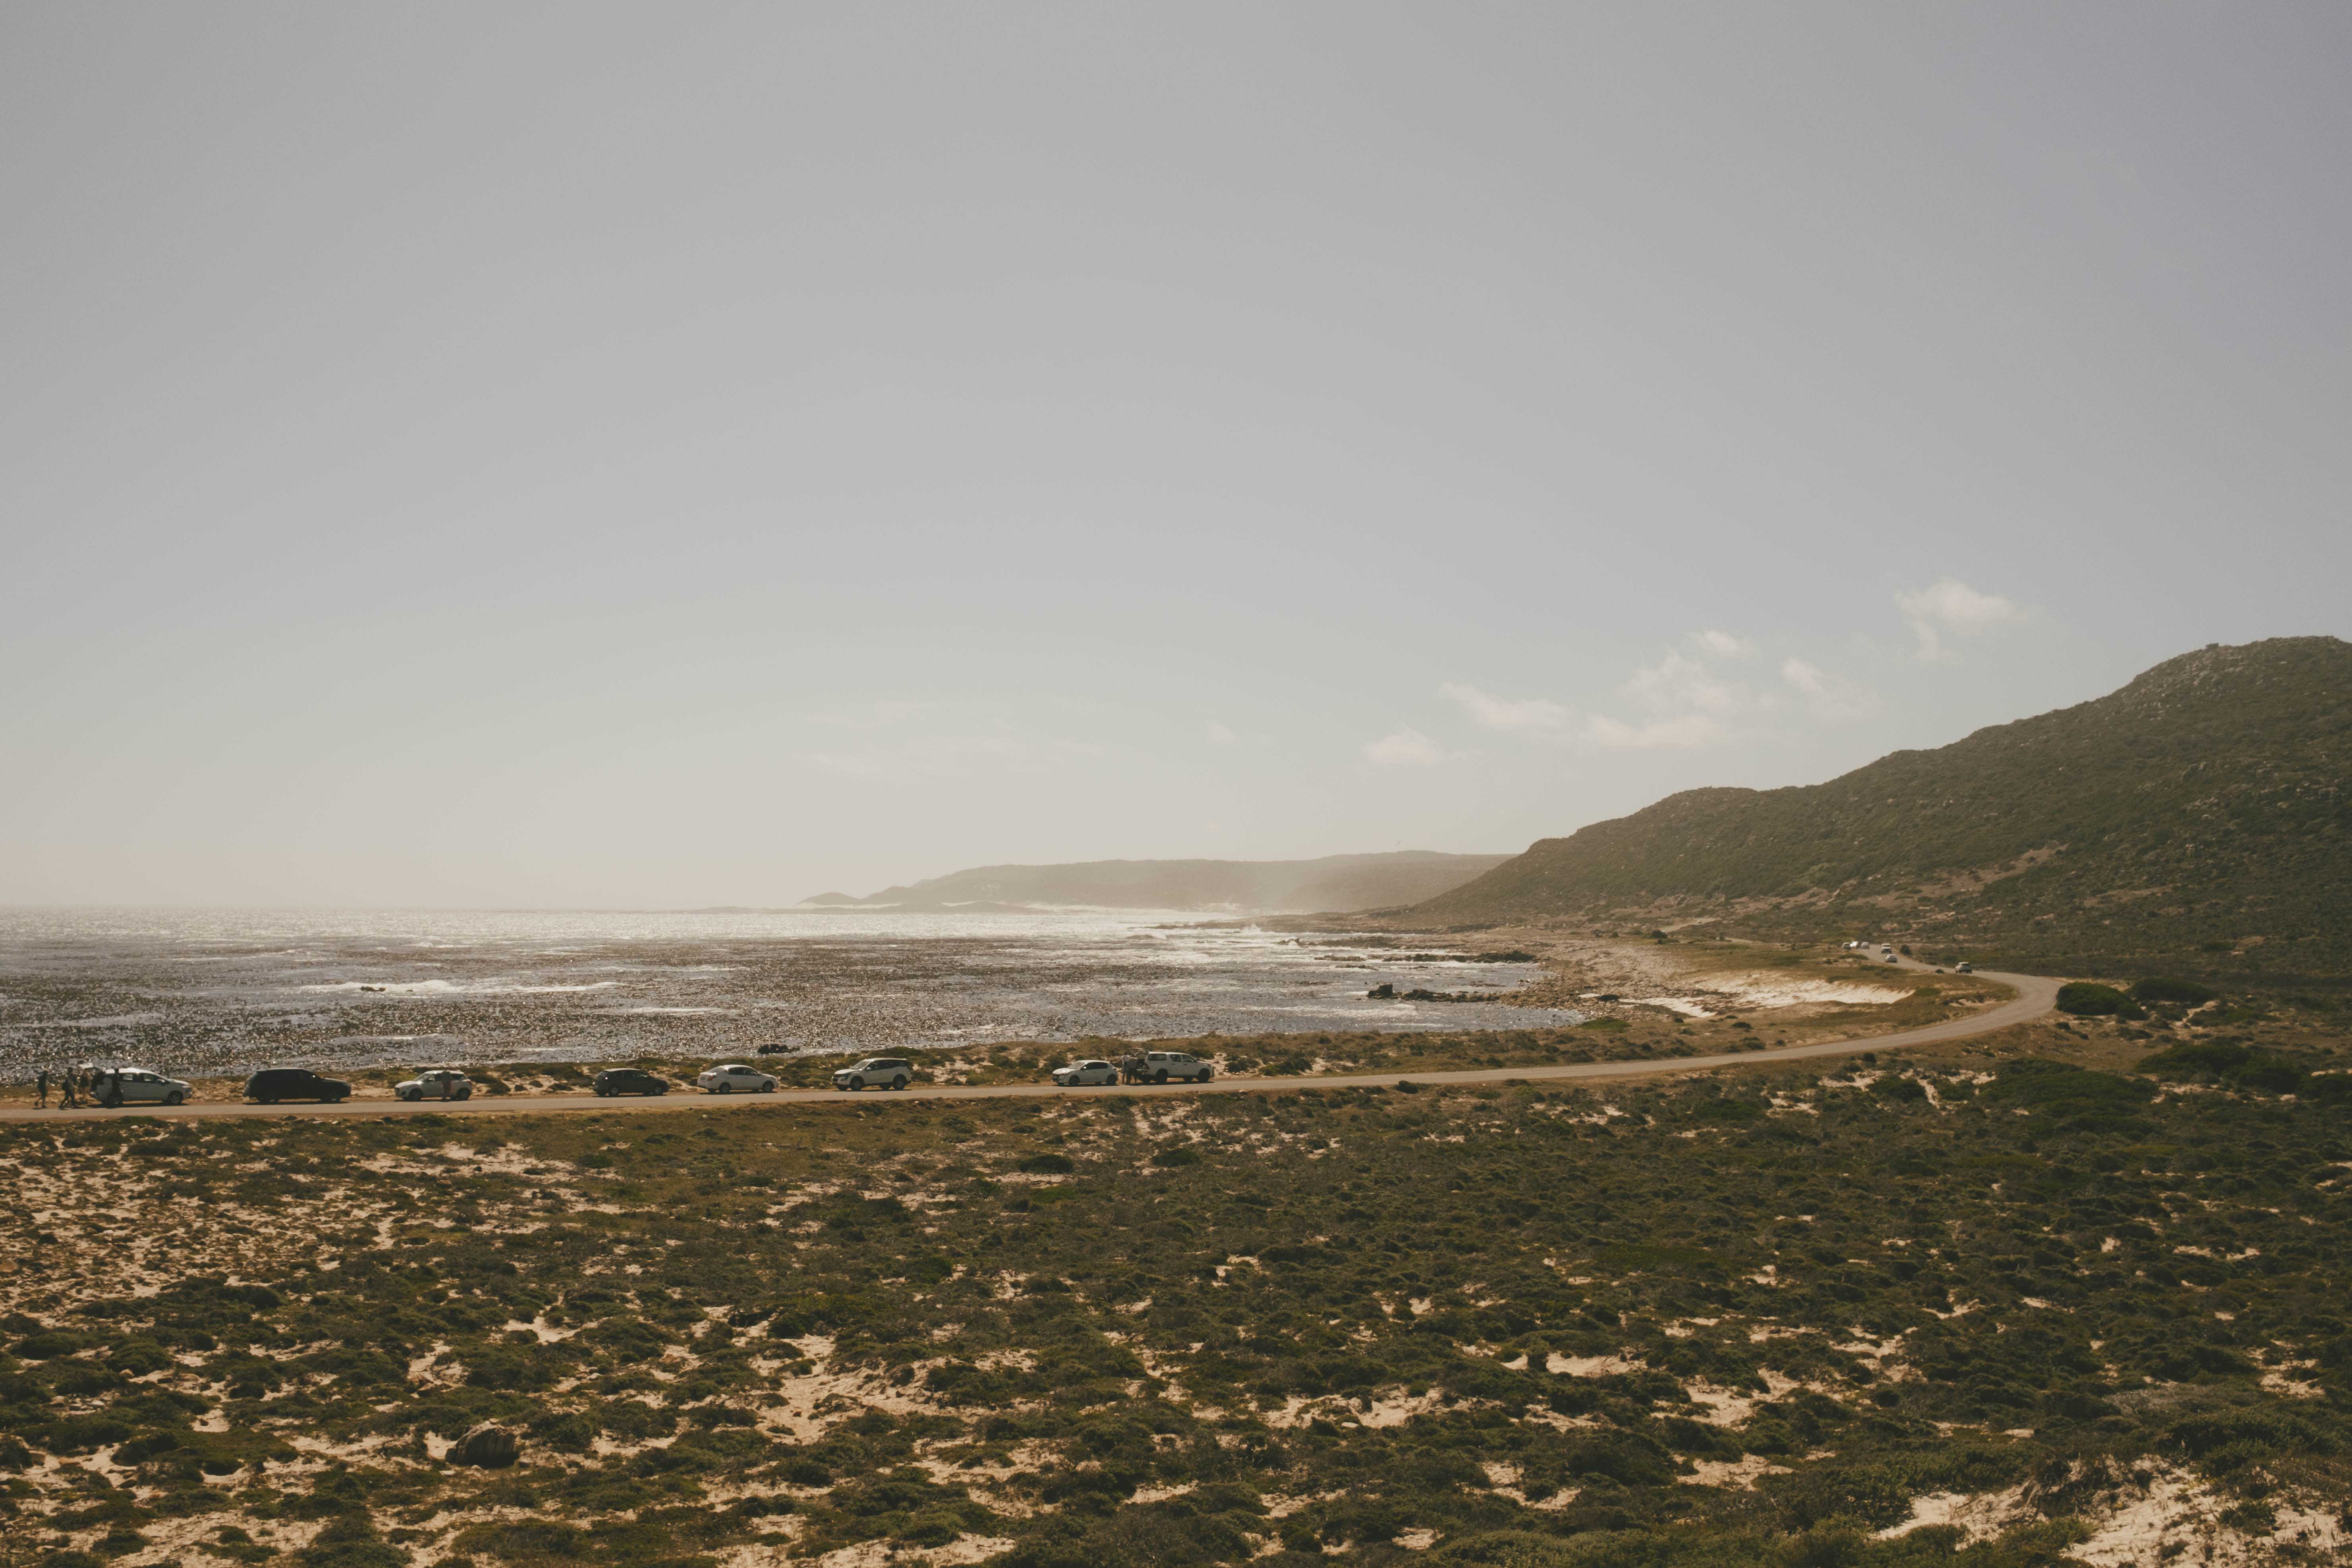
x=685 y=454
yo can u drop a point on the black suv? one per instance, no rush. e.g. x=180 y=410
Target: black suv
x=271 y=1085
x=630 y=1081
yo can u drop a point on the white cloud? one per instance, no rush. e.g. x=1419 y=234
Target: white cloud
x=1681 y=732
x=1219 y=735
x=1952 y=607
x=1831 y=698
x=1408 y=748
x=1687 y=704
x=878 y=715
x=1676 y=683
x=1520 y=715
x=950 y=756
x=1723 y=644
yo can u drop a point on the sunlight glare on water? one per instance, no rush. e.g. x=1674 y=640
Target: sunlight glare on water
x=228 y=990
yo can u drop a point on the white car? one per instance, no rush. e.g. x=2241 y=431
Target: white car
x=137 y=1086
x=734 y=1078
x=1160 y=1067
x=1080 y=1073
x=440 y=1083
x=876 y=1072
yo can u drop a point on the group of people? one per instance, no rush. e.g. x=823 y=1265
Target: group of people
x=77 y=1086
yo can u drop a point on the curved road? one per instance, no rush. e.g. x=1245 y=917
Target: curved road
x=2035 y=996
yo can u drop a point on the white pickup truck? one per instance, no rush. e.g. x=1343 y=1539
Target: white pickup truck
x=1164 y=1066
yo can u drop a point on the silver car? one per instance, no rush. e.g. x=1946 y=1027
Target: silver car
x=441 y=1083
x=137 y=1086
x=1078 y=1074
x=734 y=1078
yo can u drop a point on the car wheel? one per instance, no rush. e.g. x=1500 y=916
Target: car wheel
x=898 y=1083
x=174 y=1097
x=339 y=1099
x=1160 y=1078
x=1205 y=1074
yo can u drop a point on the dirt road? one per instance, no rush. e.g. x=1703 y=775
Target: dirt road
x=2035 y=996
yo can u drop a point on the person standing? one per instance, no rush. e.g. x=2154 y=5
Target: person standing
x=68 y=1099
x=41 y=1089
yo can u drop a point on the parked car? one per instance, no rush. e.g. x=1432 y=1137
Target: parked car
x=630 y=1081
x=137 y=1086
x=440 y=1083
x=876 y=1072
x=1967 y=968
x=1080 y=1073
x=734 y=1078
x=775 y=1048
x=271 y=1085
x=1160 y=1066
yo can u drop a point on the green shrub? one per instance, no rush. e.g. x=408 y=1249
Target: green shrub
x=2096 y=1099
x=2187 y=992
x=2218 y=1058
x=2232 y=1063
x=350 y=1541
x=1049 y=1164
x=2087 y=999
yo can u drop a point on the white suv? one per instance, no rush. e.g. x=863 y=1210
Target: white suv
x=736 y=1078
x=1160 y=1066
x=137 y=1086
x=441 y=1083
x=1078 y=1073
x=876 y=1072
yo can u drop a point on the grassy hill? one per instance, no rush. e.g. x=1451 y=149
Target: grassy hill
x=1335 y=882
x=2198 y=819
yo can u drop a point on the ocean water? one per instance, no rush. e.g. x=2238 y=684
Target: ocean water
x=231 y=990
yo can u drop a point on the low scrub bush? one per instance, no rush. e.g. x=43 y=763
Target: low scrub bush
x=2181 y=992
x=2087 y=999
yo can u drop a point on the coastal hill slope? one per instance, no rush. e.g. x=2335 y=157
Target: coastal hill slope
x=1335 y=883
x=2198 y=819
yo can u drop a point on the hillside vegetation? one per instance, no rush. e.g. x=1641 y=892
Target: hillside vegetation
x=2195 y=821
x=1335 y=882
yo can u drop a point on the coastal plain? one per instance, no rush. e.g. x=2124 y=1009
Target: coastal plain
x=2034 y=1297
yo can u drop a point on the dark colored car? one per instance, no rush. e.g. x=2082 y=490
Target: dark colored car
x=271 y=1085
x=630 y=1081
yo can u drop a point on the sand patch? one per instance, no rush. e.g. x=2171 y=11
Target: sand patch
x=1740 y=1474
x=1591 y=1366
x=1762 y=990
x=1982 y=1517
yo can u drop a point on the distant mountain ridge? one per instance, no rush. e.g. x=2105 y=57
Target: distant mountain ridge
x=1335 y=883
x=2198 y=819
